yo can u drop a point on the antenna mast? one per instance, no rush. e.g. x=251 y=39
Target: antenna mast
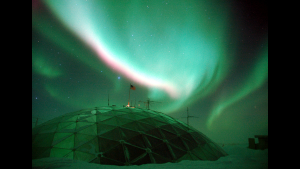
x=148 y=102
x=188 y=116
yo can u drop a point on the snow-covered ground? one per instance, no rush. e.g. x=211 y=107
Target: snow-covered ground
x=240 y=157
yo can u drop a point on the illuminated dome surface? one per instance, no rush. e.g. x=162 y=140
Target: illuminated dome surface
x=121 y=136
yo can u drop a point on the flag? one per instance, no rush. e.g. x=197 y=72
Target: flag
x=132 y=87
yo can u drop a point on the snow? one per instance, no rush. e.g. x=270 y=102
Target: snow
x=239 y=157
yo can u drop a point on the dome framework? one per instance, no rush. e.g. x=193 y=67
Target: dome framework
x=121 y=136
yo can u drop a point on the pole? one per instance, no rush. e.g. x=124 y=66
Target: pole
x=108 y=99
x=129 y=94
x=148 y=103
x=36 y=121
x=187 y=111
x=188 y=116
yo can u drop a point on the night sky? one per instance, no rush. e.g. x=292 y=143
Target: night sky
x=209 y=56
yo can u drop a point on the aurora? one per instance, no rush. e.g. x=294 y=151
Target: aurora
x=195 y=54
x=145 y=55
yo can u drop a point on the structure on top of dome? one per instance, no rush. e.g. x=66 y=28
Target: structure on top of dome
x=121 y=136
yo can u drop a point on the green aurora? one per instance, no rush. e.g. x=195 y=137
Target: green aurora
x=180 y=53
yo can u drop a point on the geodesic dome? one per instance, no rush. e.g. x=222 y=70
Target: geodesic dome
x=121 y=136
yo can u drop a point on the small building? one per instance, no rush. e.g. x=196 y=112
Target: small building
x=262 y=142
